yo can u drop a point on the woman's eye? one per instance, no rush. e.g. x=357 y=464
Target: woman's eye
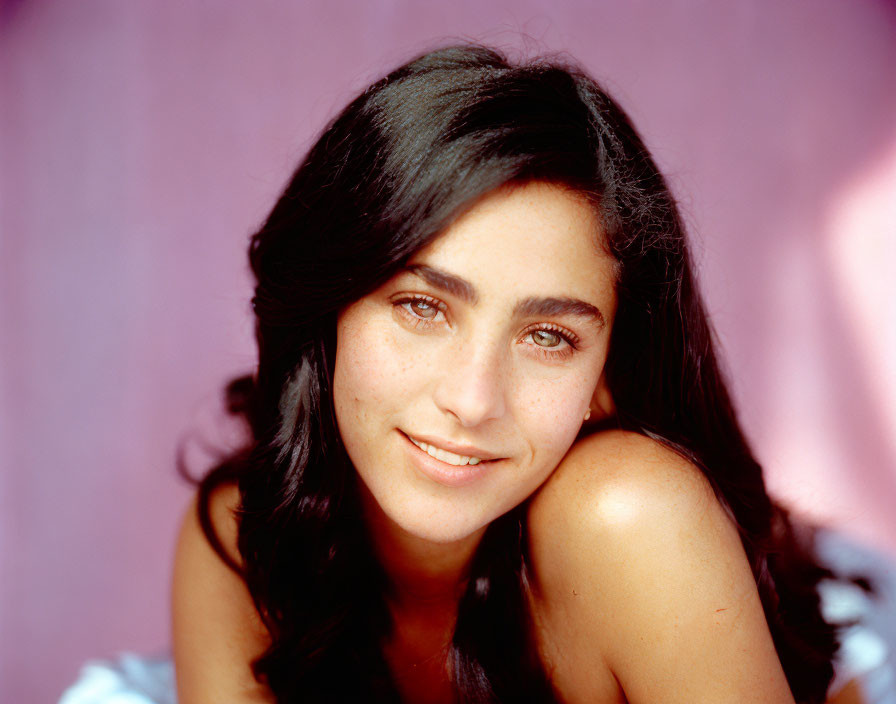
x=422 y=309
x=545 y=338
x=551 y=344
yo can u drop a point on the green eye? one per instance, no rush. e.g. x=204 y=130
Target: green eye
x=543 y=338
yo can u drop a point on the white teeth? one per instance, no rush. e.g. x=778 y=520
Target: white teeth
x=444 y=455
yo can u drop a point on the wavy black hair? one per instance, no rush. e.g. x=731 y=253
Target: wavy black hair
x=386 y=177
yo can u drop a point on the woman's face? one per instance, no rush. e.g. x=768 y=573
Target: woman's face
x=461 y=383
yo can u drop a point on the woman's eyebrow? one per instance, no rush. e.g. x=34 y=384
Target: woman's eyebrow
x=527 y=308
x=454 y=285
x=550 y=307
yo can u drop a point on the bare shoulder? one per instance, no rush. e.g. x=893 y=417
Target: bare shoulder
x=193 y=544
x=223 y=505
x=613 y=481
x=639 y=568
x=217 y=631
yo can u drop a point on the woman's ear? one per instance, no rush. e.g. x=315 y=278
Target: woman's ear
x=602 y=405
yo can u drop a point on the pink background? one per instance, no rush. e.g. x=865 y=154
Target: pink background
x=143 y=141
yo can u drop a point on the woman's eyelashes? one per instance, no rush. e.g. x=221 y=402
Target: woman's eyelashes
x=545 y=340
x=421 y=311
x=551 y=341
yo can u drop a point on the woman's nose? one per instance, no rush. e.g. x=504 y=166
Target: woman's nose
x=472 y=386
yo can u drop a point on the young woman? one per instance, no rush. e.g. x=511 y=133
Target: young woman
x=492 y=456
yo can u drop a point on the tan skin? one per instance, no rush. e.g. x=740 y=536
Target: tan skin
x=641 y=589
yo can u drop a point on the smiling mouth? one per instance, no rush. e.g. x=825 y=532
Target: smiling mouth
x=444 y=455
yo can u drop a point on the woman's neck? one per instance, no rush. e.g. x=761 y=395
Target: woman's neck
x=421 y=574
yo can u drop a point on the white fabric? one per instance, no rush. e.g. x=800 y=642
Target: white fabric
x=867 y=648
x=130 y=679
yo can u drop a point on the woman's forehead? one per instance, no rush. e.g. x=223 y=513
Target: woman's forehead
x=538 y=236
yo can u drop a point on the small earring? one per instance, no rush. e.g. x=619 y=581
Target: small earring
x=587 y=414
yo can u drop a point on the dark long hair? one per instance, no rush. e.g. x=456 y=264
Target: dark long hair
x=386 y=177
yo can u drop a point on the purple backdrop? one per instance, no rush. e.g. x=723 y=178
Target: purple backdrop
x=143 y=141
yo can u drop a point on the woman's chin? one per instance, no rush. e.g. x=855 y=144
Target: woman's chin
x=441 y=532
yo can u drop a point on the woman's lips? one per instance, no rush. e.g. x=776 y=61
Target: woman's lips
x=446 y=467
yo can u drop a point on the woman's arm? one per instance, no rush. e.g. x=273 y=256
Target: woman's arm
x=638 y=567
x=217 y=632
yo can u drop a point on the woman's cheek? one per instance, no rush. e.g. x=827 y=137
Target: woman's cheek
x=362 y=371
x=554 y=410
x=377 y=364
